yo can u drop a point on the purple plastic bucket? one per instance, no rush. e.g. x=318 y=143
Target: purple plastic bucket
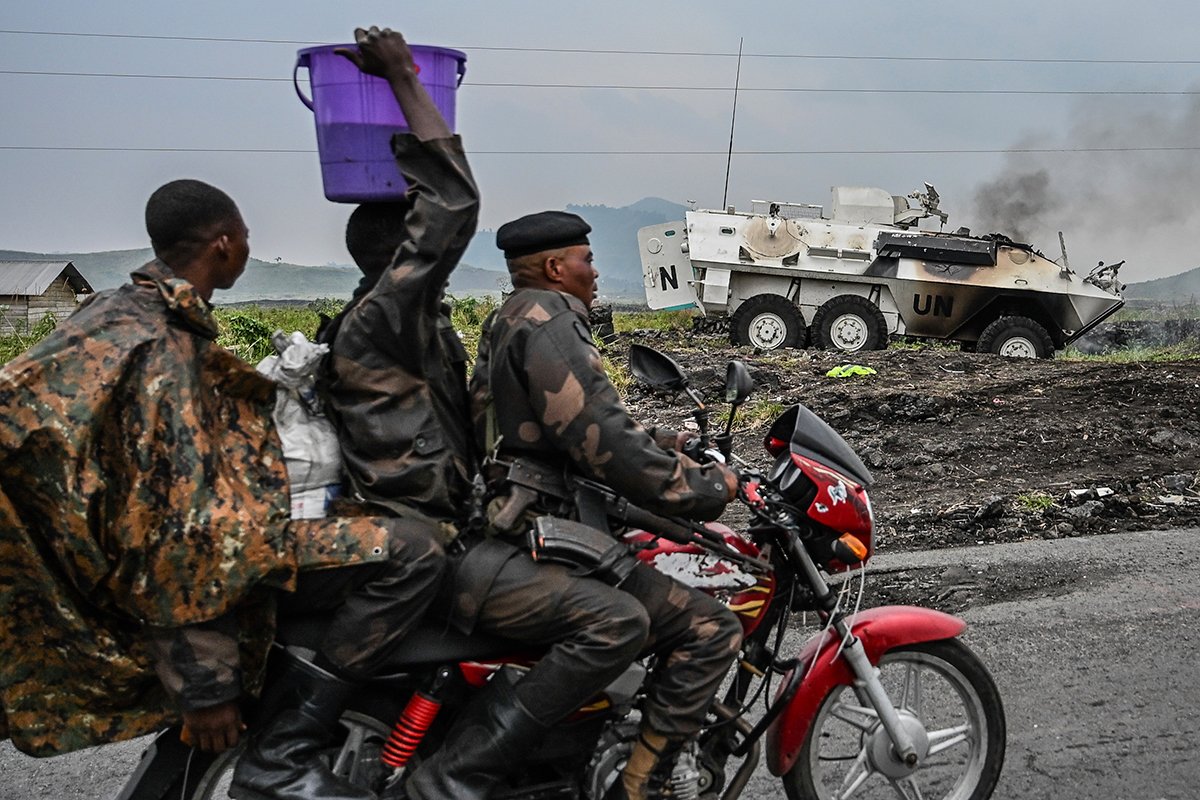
x=356 y=115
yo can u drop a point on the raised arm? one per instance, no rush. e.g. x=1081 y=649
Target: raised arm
x=385 y=54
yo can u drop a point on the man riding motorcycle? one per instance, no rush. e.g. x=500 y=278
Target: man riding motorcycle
x=541 y=397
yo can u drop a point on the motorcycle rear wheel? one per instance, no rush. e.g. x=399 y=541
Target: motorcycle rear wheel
x=950 y=703
x=356 y=758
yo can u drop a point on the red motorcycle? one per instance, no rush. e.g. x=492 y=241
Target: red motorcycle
x=885 y=702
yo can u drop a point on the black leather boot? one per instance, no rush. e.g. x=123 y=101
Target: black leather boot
x=281 y=760
x=494 y=734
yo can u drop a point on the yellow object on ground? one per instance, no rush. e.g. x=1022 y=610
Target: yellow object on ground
x=849 y=371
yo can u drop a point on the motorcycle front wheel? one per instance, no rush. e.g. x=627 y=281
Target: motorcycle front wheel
x=357 y=759
x=950 y=706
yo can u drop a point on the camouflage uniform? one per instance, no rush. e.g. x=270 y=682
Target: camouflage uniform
x=540 y=390
x=143 y=511
x=397 y=382
x=398 y=393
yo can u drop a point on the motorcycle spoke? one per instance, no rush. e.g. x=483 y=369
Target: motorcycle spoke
x=948 y=737
x=856 y=776
x=912 y=695
x=859 y=717
x=907 y=788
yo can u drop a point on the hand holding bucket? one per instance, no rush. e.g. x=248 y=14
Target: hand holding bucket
x=356 y=111
x=380 y=53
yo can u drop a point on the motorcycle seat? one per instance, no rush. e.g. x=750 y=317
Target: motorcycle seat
x=431 y=642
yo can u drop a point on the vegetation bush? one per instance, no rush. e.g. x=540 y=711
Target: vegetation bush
x=247 y=330
x=25 y=337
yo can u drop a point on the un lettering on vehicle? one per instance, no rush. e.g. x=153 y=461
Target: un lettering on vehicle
x=939 y=305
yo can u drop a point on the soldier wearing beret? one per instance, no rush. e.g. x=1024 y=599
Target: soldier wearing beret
x=541 y=396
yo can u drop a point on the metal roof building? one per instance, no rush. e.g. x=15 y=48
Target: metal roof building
x=33 y=290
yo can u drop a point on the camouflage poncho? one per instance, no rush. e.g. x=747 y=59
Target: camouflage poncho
x=141 y=484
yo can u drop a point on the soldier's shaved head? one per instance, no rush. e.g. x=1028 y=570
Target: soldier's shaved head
x=183 y=215
x=529 y=272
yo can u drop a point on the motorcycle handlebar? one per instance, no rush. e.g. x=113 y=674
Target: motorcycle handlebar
x=675 y=529
x=682 y=532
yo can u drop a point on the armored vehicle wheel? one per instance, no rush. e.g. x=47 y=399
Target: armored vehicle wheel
x=1016 y=337
x=768 y=321
x=849 y=323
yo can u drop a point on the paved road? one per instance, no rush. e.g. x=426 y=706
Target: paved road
x=1100 y=681
x=1098 y=676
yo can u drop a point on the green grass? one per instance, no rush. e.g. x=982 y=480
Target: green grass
x=25 y=337
x=905 y=343
x=467 y=315
x=247 y=331
x=1033 y=502
x=1183 y=351
x=759 y=413
x=782 y=358
x=1156 y=312
x=618 y=374
x=752 y=415
x=628 y=321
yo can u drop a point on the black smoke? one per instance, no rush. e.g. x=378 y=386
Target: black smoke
x=1123 y=183
x=1012 y=204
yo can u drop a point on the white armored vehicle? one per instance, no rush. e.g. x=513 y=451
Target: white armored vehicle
x=788 y=274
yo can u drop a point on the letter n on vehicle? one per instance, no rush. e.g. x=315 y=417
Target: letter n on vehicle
x=665 y=277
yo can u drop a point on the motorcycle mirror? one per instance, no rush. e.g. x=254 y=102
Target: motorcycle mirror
x=659 y=370
x=738 y=383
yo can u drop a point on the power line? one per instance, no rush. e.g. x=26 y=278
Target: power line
x=651 y=87
x=610 y=51
x=142 y=75
x=924 y=151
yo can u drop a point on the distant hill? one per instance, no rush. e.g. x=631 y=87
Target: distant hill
x=613 y=237
x=1182 y=288
x=263 y=280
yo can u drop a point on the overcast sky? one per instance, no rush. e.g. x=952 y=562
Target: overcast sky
x=1105 y=94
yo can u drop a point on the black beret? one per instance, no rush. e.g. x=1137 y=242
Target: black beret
x=545 y=230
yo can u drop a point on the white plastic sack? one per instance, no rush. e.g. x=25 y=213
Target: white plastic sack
x=310 y=444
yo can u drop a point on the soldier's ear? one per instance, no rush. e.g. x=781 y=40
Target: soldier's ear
x=552 y=269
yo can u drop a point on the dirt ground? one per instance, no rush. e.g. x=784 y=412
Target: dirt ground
x=973 y=448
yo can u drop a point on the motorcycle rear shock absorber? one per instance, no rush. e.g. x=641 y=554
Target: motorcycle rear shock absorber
x=414 y=722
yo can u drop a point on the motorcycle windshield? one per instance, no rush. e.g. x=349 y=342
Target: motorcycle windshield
x=810 y=436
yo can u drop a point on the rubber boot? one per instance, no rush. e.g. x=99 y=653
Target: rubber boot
x=282 y=761
x=495 y=733
x=647 y=774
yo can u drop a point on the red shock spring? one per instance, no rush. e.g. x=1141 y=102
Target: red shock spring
x=415 y=720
